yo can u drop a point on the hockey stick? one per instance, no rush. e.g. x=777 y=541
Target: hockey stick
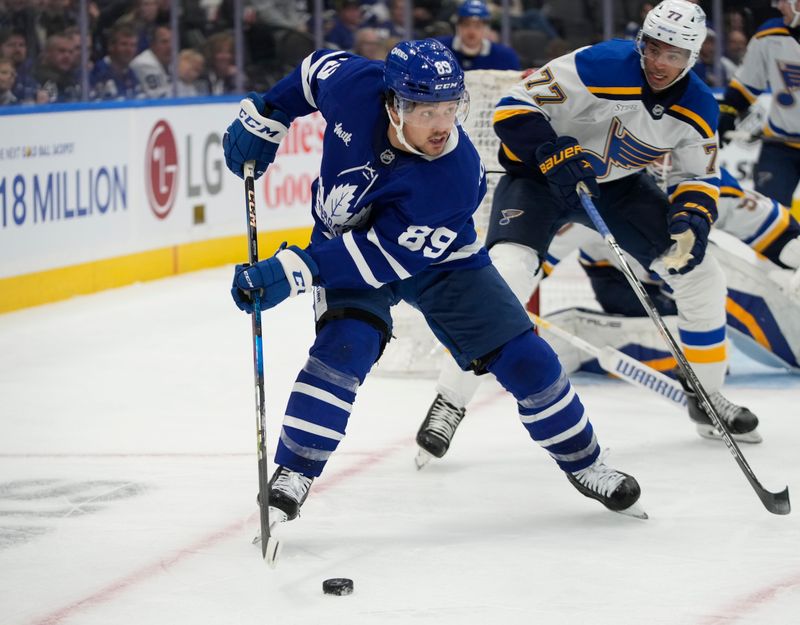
x=620 y=364
x=269 y=545
x=777 y=503
x=743 y=135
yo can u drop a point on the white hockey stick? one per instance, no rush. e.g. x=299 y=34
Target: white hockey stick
x=623 y=366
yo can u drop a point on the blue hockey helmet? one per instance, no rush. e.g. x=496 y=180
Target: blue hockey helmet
x=473 y=8
x=423 y=71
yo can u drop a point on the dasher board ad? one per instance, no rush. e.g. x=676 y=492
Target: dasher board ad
x=96 y=183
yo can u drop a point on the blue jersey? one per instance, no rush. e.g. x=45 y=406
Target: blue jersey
x=380 y=214
x=491 y=56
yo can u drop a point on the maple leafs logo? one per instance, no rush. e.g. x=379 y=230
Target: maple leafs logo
x=335 y=210
x=339 y=199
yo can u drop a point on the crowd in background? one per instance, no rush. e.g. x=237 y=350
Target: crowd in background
x=130 y=46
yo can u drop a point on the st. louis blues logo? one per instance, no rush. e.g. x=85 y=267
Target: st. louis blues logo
x=623 y=150
x=790 y=72
x=508 y=214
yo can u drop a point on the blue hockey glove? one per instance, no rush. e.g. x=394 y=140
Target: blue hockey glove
x=563 y=164
x=689 y=228
x=289 y=272
x=253 y=137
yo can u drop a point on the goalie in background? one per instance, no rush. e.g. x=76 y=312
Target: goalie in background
x=399 y=182
x=771 y=62
x=598 y=117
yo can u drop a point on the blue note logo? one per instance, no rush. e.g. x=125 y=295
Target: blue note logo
x=508 y=214
x=624 y=150
x=790 y=72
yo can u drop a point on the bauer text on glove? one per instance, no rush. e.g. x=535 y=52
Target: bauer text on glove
x=564 y=165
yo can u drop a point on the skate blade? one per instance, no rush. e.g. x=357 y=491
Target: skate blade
x=711 y=433
x=636 y=511
x=422 y=458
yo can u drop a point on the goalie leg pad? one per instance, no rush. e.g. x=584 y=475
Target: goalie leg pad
x=323 y=395
x=518 y=264
x=548 y=406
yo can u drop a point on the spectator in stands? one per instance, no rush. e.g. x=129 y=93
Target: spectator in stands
x=704 y=67
x=8 y=75
x=112 y=77
x=632 y=27
x=56 y=16
x=14 y=48
x=20 y=16
x=348 y=18
x=144 y=19
x=471 y=44
x=735 y=47
x=152 y=66
x=56 y=71
x=370 y=43
x=220 y=61
x=279 y=13
x=190 y=68
x=395 y=26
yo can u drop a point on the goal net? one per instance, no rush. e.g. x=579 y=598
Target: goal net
x=413 y=350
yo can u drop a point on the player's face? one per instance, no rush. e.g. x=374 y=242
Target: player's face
x=663 y=63
x=472 y=31
x=788 y=9
x=428 y=125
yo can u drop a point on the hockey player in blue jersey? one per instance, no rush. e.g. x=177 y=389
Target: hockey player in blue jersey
x=470 y=45
x=772 y=61
x=599 y=116
x=398 y=183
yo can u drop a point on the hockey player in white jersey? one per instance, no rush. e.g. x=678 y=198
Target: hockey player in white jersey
x=771 y=62
x=399 y=181
x=599 y=116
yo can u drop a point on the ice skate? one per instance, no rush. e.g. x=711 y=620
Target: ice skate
x=741 y=423
x=616 y=490
x=287 y=491
x=437 y=430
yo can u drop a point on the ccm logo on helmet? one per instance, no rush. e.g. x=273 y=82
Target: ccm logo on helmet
x=447 y=85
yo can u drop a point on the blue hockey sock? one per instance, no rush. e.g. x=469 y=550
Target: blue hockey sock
x=548 y=405
x=323 y=395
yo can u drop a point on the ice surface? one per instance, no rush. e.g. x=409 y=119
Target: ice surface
x=128 y=481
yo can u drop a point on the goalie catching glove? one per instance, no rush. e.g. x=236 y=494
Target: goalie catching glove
x=689 y=228
x=289 y=272
x=254 y=136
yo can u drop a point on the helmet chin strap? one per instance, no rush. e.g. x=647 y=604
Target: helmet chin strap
x=399 y=129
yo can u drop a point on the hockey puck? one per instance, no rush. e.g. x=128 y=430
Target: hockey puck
x=337 y=586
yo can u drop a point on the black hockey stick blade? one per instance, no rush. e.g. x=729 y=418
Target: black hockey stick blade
x=777 y=503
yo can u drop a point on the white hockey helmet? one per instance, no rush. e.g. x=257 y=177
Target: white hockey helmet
x=679 y=23
x=795 y=11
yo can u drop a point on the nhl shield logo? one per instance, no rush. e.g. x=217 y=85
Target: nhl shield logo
x=658 y=110
x=387 y=156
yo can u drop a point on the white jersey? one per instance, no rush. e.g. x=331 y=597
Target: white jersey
x=152 y=75
x=772 y=61
x=599 y=95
